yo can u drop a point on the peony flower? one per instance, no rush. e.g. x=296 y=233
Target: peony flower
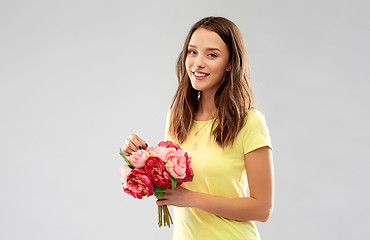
x=188 y=172
x=138 y=184
x=173 y=156
x=169 y=144
x=124 y=171
x=175 y=163
x=160 y=152
x=156 y=172
x=138 y=158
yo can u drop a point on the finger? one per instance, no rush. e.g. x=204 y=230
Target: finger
x=162 y=202
x=129 y=146
x=143 y=143
x=133 y=138
x=127 y=154
x=138 y=142
x=168 y=192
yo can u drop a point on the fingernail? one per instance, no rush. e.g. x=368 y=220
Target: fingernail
x=140 y=147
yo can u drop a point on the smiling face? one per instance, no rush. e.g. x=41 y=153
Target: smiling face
x=207 y=60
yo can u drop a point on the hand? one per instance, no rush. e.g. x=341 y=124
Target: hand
x=132 y=144
x=179 y=197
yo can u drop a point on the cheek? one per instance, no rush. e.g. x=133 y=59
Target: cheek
x=188 y=64
x=220 y=68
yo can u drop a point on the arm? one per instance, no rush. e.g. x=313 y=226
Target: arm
x=257 y=207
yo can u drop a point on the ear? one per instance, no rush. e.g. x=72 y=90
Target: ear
x=228 y=69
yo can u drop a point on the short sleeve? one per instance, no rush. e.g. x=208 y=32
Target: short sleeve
x=255 y=132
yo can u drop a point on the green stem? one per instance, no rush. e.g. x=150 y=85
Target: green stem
x=164 y=216
x=159 y=216
x=168 y=219
x=169 y=215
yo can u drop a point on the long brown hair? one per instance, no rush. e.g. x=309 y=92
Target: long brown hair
x=233 y=98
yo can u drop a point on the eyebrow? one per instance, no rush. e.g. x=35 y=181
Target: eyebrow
x=212 y=49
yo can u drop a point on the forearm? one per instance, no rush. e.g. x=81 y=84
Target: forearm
x=257 y=207
x=239 y=209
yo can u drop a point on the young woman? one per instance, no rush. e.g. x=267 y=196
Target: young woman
x=213 y=119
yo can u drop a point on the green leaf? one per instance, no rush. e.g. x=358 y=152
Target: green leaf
x=173 y=181
x=124 y=157
x=159 y=194
x=191 y=179
x=158 y=189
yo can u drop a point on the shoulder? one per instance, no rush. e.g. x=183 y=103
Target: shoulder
x=254 y=118
x=255 y=132
x=254 y=125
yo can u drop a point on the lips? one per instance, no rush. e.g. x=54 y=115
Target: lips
x=199 y=75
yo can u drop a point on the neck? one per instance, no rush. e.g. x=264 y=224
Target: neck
x=207 y=107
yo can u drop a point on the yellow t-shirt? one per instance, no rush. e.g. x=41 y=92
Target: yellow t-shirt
x=222 y=173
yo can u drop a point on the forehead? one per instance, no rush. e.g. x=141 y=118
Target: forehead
x=203 y=38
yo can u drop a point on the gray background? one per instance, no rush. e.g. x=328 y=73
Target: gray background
x=76 y=77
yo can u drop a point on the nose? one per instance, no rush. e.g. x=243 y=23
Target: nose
x=199 y=62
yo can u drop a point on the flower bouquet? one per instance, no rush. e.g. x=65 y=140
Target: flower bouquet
x=162 y=167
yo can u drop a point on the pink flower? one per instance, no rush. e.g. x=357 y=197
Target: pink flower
x=176 y=163
x=138 y=158
x=124 y=171
x=169 y=144
x=158 y=151
x=138 y=184
x=188 y=173
x=173 y=156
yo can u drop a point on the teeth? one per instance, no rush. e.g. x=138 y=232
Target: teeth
x=199 y=74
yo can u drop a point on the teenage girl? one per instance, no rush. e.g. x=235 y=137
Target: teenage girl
x=212 y=117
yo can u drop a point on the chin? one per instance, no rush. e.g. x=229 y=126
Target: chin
x=196 y=86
